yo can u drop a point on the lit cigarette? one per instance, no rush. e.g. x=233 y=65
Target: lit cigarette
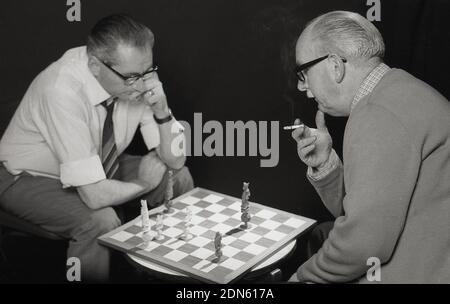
x=293 y=127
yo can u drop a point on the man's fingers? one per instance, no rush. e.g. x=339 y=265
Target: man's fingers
x=306 y=141
x=306 y=150
x=320 y=121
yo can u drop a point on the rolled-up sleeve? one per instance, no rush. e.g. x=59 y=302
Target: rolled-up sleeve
x=150 y=130
x=64 y=123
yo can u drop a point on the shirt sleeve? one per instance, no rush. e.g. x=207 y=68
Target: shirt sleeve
x=64 y=124
x=150 y=131
x=380 y=173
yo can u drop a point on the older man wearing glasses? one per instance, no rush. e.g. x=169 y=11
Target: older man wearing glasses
x=62 y=162
x=391 y=195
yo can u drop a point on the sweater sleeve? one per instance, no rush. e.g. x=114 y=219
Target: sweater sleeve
x=381 y=168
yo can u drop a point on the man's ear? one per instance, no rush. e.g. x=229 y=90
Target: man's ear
x=338 y=67
x=94 y=66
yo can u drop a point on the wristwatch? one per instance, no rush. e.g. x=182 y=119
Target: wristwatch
x=160 y=121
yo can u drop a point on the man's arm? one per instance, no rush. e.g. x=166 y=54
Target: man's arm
x=329 y=183
x=381 y=171
x=110 y=192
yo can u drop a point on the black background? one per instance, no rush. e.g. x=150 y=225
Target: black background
x=229 y=60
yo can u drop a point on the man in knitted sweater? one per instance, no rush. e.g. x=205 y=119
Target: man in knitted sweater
x=391 y=195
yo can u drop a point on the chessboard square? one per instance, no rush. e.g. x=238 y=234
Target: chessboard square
x=232 y=222
x=228 y=212
x=210 y=246
x=195 y=209
x=239 y=244
x=218 y=218
x=202 y=253
x=209 y=234
x=284 y=229
x=294 y=222
x=179 y=215
x=243 y=256
x=200 y=194
x=134 y=229
x=187 y=248
x=207 y=224
x=257 y=220
x=174 y=243
x=228 y=239
x=212 y=198
x=207 y=267
x=236 y=206
x=205 y=214
x=122 y=236
x=260 y=230
x=196 y=220
x=190 y=261
x=222 y=228
x=197 y=230
x=202 y=204
x=199 y=241
x=215 y=208
x=172 y=232
x=266 y=214
x=250 y=237
x=179 y=205
x=219 y=271
x=134 y=241
x=151 y=246
x=269 y=224
x=161 y=250
x=232 y=264
x=171 y=221
x=281 y=218
x=229 y=251
x=225 y=202
x=265 y=242
x=189 y=200
x=175 y=255
x=254 y=249
x=275 y=235
x=255 y=208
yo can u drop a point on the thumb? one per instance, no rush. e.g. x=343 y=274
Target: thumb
x=320 y=121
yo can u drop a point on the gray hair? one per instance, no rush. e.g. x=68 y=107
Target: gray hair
x=347 y=34
x=114 y=30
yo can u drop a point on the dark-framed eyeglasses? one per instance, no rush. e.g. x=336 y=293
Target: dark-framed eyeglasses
x=130 y=80
x=303 y=67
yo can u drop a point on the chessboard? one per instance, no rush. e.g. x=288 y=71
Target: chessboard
x=268 y=231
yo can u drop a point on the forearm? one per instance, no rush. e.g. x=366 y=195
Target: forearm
x=329 y=184
x=110 y=192
x=169 y=150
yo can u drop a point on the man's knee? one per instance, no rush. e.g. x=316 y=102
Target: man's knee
x=102 y=221
x=183 y=181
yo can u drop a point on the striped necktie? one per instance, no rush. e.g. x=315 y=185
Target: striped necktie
x=110 y=157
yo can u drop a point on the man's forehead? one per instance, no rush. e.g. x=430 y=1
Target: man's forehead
x=132 y=59
x=303 y=49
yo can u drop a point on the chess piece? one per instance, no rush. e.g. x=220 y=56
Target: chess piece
x=147 y=236
x=245 y=207
x=144 y=216
x=169 y=192
x=218 y=245
x=187 y=224
x=158 y=227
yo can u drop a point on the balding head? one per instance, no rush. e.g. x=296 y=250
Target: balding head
x=346 y=34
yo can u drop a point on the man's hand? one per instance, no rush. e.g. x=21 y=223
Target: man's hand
x=156 y=97
x=151 y=170
x=313 y=145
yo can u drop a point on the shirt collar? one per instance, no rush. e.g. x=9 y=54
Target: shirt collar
x=94 y=91
x=369 y=83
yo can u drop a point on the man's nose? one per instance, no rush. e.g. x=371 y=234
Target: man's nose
x=139 y=85
x=302 y=86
